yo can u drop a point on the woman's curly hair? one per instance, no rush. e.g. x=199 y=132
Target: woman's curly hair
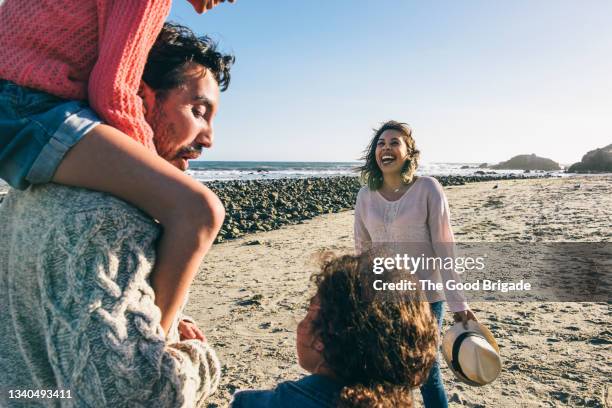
x=380 y=347
x=371 y=173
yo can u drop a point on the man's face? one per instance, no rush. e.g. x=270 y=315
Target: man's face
x=182 y=118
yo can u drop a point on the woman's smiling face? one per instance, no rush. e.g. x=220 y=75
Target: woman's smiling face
x=391 y=152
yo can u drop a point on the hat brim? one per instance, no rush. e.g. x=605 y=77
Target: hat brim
x=455 y=331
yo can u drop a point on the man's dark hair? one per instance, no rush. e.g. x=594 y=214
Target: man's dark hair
x=175 y=50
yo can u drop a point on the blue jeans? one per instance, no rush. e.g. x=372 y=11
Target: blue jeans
x=36 y=131
x=434 y=395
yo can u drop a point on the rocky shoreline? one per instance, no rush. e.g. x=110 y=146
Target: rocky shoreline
x=265 y=205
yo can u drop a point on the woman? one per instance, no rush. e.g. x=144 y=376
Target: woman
x=398 y=207
x=361 y=351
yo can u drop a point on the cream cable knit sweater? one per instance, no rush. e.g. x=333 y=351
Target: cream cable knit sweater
x=77 y=312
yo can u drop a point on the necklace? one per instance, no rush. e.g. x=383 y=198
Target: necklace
x=396 y=190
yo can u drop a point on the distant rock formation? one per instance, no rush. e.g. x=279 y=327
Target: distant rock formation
x=528 y=162
x=595 y=161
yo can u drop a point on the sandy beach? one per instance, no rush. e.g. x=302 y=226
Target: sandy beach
x=251 y=292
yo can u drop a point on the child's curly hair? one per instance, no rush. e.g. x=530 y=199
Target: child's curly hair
x=371 y=173
x=381 y=348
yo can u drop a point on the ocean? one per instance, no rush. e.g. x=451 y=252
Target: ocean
x=253 y=170
x=261 y=170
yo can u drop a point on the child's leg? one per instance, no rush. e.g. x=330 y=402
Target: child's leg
x=191 y=215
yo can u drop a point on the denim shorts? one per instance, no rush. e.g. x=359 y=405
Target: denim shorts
x=36 y=131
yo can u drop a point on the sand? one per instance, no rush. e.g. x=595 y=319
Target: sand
x=251 y=292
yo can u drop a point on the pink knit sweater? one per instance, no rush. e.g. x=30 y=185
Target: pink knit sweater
x=91 y=50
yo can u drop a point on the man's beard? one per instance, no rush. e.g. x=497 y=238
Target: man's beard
x=190 y=151
x=165 y=131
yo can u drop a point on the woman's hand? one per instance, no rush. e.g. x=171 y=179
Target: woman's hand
x=189 y=331
x=464 y=316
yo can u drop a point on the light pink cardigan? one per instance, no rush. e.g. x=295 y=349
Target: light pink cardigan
x=420 y=216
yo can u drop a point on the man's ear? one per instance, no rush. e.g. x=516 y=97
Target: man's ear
x=147 y=94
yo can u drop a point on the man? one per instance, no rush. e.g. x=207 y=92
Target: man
x=79 y=326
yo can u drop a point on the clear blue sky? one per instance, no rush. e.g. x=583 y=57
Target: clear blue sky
x=477 y=80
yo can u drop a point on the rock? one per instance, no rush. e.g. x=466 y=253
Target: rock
x=465 y=167
x=483 y=166
x=528 y=162
x=253 y=300
x=263 y=205
x=595 y=161
x=600 y=340
x=455 y=398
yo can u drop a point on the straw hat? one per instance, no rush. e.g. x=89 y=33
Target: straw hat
x=472 y=354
